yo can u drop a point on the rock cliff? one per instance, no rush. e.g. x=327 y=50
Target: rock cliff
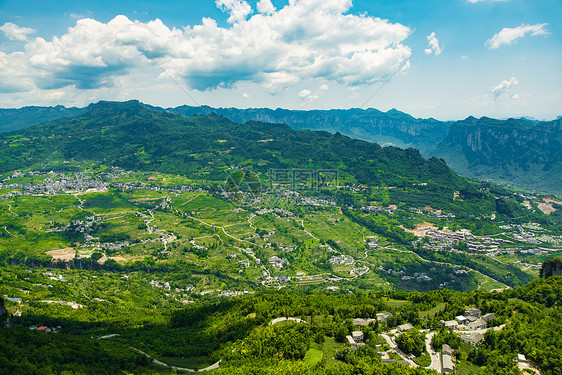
x=552 y=267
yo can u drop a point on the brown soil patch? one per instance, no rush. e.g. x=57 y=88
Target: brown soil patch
x=62 y=254
x=551 y=200
x=420 y=229
x=546 y=208
x=122 y=259
x=527 y=204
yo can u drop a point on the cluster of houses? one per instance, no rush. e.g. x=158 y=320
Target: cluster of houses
x=45 y=329
x=308 y=201
x=359 y=271
x=166 y=286
x=486 y=244
x=362 y=322
x=390 y=209
x=277 y=262
x=279 y=211
x=81 y=226
x=54 y=184
x=341 y=259
x=472 y=320
x=418 y=276
x=57 y=183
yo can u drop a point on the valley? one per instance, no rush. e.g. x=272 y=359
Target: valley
x=145 y=242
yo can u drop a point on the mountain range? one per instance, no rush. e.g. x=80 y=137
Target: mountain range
x=523 y=153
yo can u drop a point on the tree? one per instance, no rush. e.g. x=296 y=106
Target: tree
x=341 y=332
x=411 y=342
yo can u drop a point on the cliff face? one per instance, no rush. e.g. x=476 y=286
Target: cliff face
x=520 y=152
x=393 y=127
x=4 y=321
x=552 y=267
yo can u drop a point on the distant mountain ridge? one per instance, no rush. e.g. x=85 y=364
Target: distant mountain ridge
x=515 y=151
x=12 y=119
x=521 y=152
x=385 y=128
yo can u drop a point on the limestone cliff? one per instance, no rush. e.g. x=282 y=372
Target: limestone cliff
x=4 y=321
x=552 y=267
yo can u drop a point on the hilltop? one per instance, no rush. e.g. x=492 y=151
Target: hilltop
x=503 y=151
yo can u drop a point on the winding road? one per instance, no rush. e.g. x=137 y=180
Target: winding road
x=154 y=360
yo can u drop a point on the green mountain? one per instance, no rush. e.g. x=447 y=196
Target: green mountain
x=519 y=152
x=392 y=128
x=19 y=118
x=132 y=137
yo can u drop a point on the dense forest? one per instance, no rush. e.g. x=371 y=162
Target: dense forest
x=237 y=332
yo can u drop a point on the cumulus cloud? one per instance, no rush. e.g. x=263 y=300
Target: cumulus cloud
x=432 y=45
x=509 y=35
x=503 y=86
x=238 y=9
x=13 y=77
x=265 y=7
x=307 y=94
x=306 y=39
x=15 y=32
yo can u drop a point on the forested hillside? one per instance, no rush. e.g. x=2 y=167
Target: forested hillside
x=517 y=152
x=237 y=332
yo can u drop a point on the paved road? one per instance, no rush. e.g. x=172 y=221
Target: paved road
x=395 y=348
x=435 y=359
x=282 y=319
x=154 y=360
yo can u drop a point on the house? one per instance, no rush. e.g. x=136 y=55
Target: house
x=405 y=327
x=447 y=364
x=357 y=336
x=383 y=316
x=521 y=358
x=477 y=324
x=360 y=322
x=473 y=312
x=489 y=317
x=461 y=319
x=351 y=342
x=450 y=324
x=42 y=328
x=474 y=338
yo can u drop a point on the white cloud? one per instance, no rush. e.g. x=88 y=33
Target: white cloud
x=481 y=1
x=15 y=32
x=265 y=7
x=304 y=94
x=432 y=45
x=503 y=86
x=464 y=57
x=509 y=35
x=515 y=97
x=304 y=40
x=245 y=95
x=324 y=87
x=238 y=9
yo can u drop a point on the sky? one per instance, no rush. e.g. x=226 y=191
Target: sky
x=446 y=59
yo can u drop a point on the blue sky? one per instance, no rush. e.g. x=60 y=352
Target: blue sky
x=446 y=59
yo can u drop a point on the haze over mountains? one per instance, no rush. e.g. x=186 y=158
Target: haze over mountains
x=519 y=152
